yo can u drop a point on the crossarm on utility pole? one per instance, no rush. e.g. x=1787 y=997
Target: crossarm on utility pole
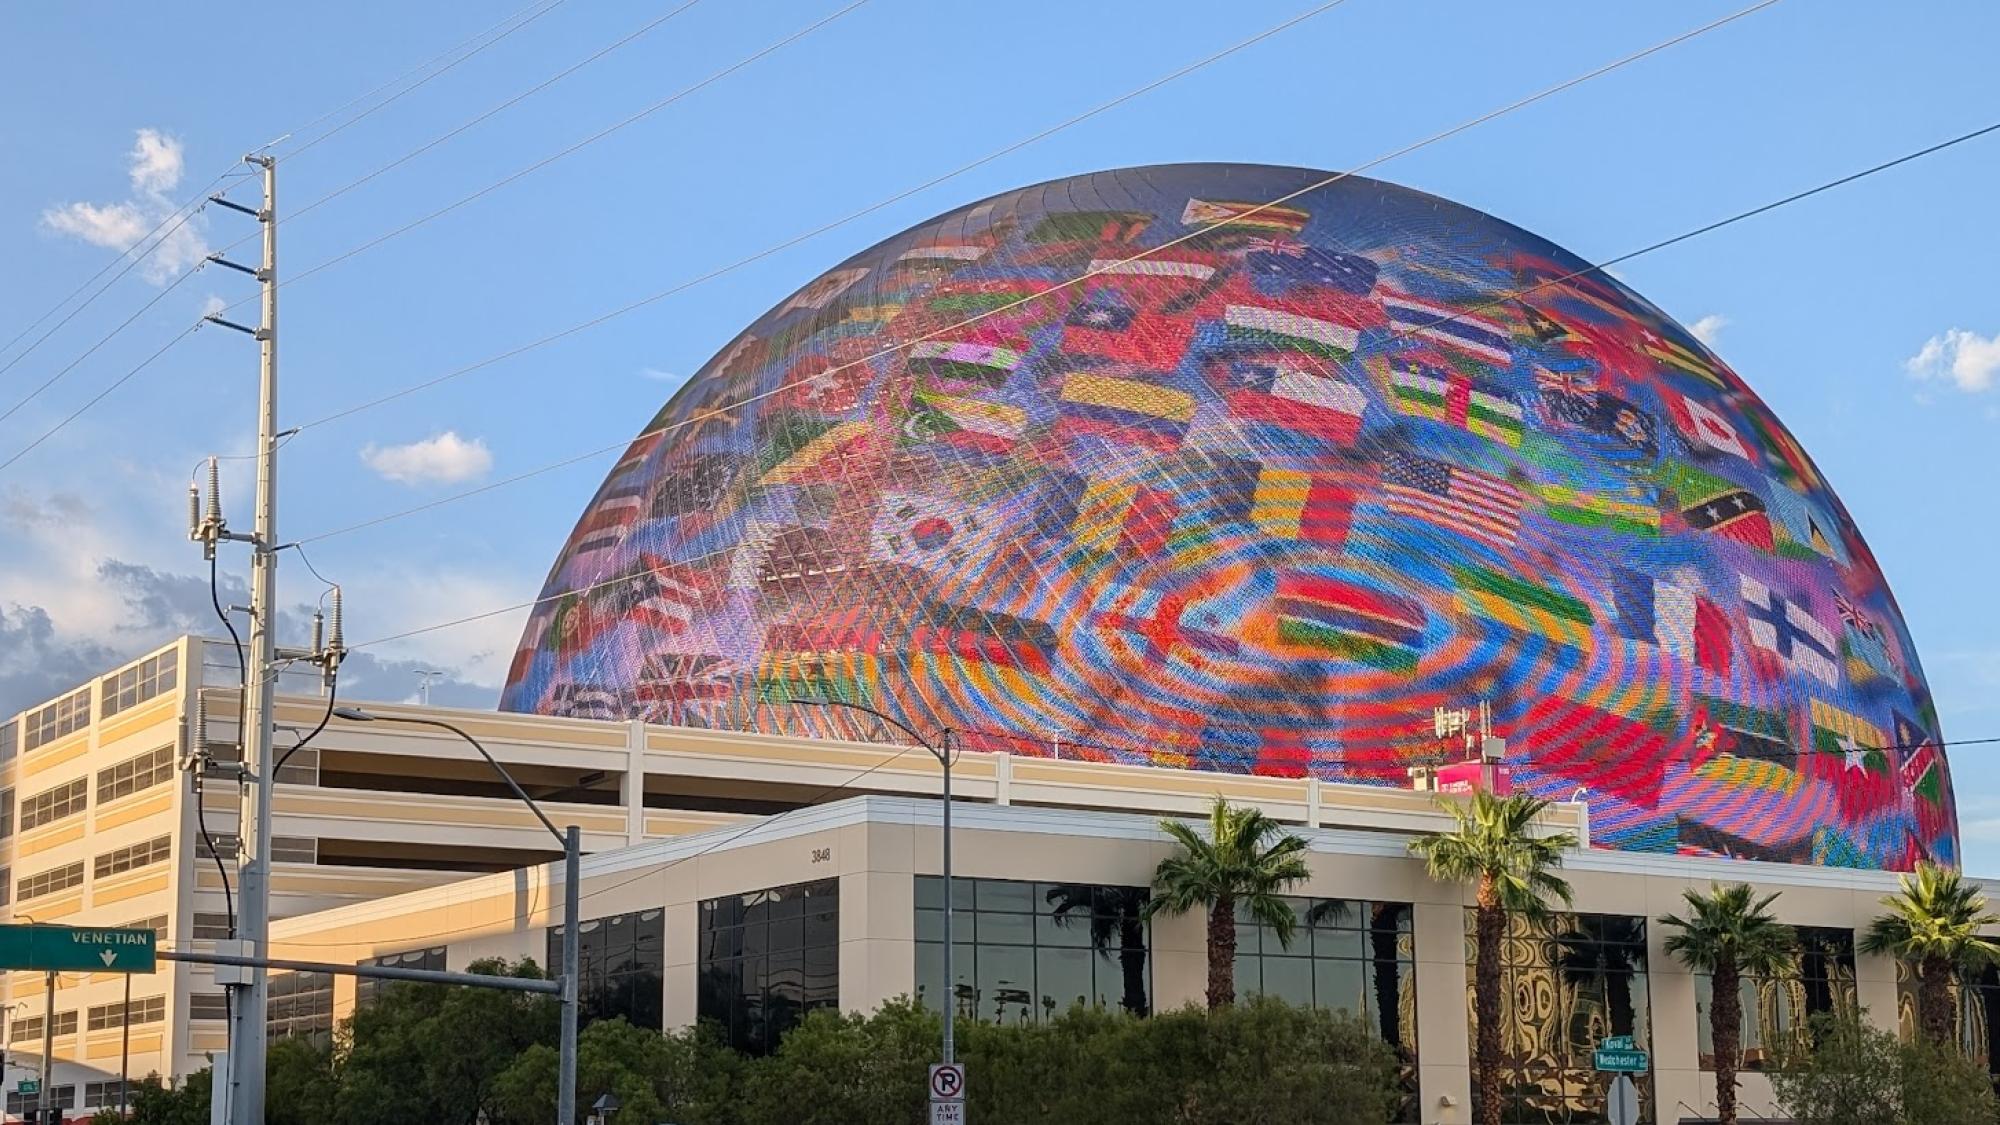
x=382 y=972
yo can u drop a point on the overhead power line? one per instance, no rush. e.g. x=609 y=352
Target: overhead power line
x=52 y=380
x=795 y=240
x=544 y=162
x=1100 y=268
x=98 y=397
x=505 y=28
x=153 y=239
x=174 y=220
x=1523 y=291
x=145 y=245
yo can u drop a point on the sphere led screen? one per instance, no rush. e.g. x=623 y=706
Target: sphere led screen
x=1232 y=468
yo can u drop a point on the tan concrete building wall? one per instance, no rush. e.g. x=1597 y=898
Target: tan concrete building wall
x=876 y=845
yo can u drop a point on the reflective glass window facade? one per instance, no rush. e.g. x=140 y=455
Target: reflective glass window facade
x=622 y=962
x=1029 y=951
x=1977 y=998
x=766 y=959
x=1777 y=1010
x=367 y=988
x=1568 y=982
x=300 y=1004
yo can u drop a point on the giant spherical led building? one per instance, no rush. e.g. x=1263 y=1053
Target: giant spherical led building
x=1253 y=469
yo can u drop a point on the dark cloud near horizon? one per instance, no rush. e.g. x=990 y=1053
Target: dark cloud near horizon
x=37 y=663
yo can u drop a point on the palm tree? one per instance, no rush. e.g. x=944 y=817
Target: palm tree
x=1728 y=932
x=1495 y=847
x=1232 y=863
x=1933 y=923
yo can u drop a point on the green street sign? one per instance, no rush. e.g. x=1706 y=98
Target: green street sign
x=1621 y=1060
x=1617 y=1043
x=76 y=949
x=28 y=1086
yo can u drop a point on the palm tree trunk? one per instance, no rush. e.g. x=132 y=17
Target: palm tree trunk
x=1222 y=952
x=1934 y=1000
x=1388 y=1004
x=1132 y=959
x=1725 y=1029
x=1489 y=928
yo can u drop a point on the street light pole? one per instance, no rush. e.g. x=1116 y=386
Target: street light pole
x=571 y=842
x=942 y=752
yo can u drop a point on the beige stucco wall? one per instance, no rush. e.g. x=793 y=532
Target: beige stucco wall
x=875 y=846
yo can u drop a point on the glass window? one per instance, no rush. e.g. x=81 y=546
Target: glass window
x=210 y=927
x=152 y=1009
x=367 y=988
x=224 y=844
x=132 y=857
x=6 y=812
x=51 y=881
x=52 y=805
x=300 y=1004
x=1025 y=952
x=1776 y=1009
x=10 y=739
x=62 y=1097
x=66 y=715
x=157 y=923
x=766 y=958
x=96 y=1094
x=30 y=1027
x=1976 y=1009
x=135 y=685
x=155 y=767
x=1346 y=955
x=622 y=965
x=208 y=1006
x=1569 y=981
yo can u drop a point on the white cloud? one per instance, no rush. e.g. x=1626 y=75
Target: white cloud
x=213 y=305
x=659 y=376
x=444 y=458
x=155 y=166
x=1968 y=360
x=156 y=162
x=114 y=226
x=1709 y=328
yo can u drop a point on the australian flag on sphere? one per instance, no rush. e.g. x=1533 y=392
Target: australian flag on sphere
x=1280 y=264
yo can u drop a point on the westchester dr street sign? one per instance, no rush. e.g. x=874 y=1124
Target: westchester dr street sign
x=71 y=949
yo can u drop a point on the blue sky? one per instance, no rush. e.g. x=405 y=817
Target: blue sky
x=1822 y=307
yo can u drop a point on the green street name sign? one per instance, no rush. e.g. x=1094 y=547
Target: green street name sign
x=76 y=949
x=28 y=1086
x=1620 y=1060
x=1617 y=1043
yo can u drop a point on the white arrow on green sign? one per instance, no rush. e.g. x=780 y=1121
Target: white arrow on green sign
x=71 y=949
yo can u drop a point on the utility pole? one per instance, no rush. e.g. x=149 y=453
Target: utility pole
x=246 y=1032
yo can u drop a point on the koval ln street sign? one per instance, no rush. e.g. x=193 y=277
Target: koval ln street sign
x=28 y=1086
x=72 y=949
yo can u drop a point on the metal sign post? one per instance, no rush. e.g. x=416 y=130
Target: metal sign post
x=1621 y=1105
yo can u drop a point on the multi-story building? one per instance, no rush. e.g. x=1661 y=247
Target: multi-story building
x=751 y=877
x=101 y=824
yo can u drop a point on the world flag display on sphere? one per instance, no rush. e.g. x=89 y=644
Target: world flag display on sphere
x=1252 y=469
